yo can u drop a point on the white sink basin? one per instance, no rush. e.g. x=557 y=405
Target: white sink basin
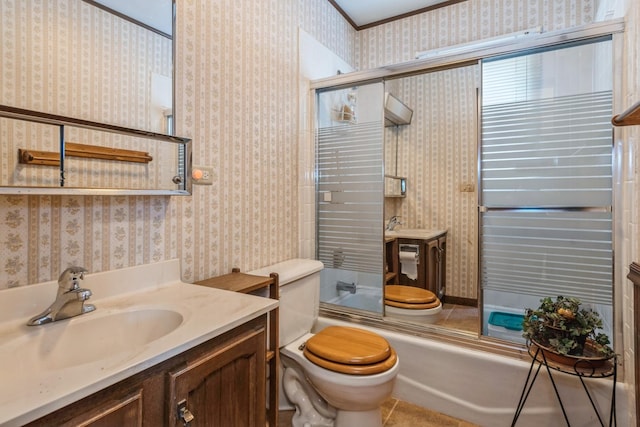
x=414 y=233
x=112 y=334
x=93 y=337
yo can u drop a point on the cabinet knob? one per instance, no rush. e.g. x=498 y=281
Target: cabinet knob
x=184 y=414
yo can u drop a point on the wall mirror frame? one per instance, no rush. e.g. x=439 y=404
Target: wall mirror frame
x=98 y=123
x=447 y=61
x=395 y=186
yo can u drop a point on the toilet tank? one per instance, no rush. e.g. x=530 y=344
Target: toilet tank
x=299 y=295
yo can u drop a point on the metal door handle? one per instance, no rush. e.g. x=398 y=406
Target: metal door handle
x=184 y=414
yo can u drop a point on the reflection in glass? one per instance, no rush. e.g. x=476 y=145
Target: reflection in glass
x=350 y=196
x=77 y=60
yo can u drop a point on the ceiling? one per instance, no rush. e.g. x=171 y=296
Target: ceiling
x=360 y=13
x=367 y=13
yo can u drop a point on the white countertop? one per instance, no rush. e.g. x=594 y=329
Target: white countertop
x=34 y=385
x=414 y=233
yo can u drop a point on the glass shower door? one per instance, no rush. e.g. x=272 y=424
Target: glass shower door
x=349 y=180
x=546 y=174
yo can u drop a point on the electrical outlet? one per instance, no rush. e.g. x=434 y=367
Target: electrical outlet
x=467 y=188
x=202 y=175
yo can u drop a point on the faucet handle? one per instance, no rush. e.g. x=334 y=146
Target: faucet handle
x=70 y=278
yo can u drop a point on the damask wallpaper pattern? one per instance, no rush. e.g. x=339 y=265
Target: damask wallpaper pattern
x=237 y=98
x=629 y=204
x=464 y=22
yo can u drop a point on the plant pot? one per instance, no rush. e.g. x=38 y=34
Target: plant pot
x=590 y=358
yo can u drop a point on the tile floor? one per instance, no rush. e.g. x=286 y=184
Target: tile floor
x=462 y=317
x=396 y=413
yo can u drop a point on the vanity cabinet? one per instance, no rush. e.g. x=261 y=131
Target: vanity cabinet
x=225 y=387
x=262 y=286
x=392 y=263
x=431 y=270
x=436 y=258
x=220 y=382
x=121 y=408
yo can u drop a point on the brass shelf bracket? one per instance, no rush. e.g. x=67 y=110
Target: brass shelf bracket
x=629 y=117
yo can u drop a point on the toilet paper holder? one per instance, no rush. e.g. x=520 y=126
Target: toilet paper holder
x=409 y=248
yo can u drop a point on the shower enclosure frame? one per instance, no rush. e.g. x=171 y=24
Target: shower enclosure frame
x=612 y=28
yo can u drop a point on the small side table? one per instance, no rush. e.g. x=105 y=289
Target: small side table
x=582 y=369
x=247 y=283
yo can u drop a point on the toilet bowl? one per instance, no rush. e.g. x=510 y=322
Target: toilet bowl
x=411 y=303
x=356 y=398
x=338 y=376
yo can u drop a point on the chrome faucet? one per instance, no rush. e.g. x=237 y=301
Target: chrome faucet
x=70 y=300
x=344 y=286
x=393 y=222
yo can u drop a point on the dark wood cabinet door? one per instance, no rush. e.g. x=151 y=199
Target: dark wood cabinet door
x=114 y=411
x=225 y=387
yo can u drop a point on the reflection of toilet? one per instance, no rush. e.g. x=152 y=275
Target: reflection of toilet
x=337 y=377
x=411 y=303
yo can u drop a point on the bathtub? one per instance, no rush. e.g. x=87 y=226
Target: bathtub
x=365 y=298
x=484 y=388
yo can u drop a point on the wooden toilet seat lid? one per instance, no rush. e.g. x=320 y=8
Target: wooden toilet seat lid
x=371 y=369
x=410 y=297
x=350 y=350
x=412 y=306
x=409 y=294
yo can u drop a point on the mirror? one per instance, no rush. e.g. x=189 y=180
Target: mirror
x=437 y=153
x=397 y=115
x=77 y=72
x=395 y=186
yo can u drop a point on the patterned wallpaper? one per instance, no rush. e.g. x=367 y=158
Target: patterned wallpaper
x=70 y=58
x=630 y=200
x=470 y=20
x=237 y=97
x=632 y=134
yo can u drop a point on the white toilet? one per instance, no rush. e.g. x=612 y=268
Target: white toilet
x=411 y=303
x=353 y=370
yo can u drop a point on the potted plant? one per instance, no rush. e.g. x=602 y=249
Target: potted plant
x=564 y=328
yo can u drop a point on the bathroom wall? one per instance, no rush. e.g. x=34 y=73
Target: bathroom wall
x=237 y=97
x=628 y=147
x=464 y=22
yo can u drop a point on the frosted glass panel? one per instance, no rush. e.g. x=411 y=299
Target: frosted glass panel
x=548 y=254
x=546 y=131
x=573 y=69
x=350 y=191
x=546 y=179
x=551 y=152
